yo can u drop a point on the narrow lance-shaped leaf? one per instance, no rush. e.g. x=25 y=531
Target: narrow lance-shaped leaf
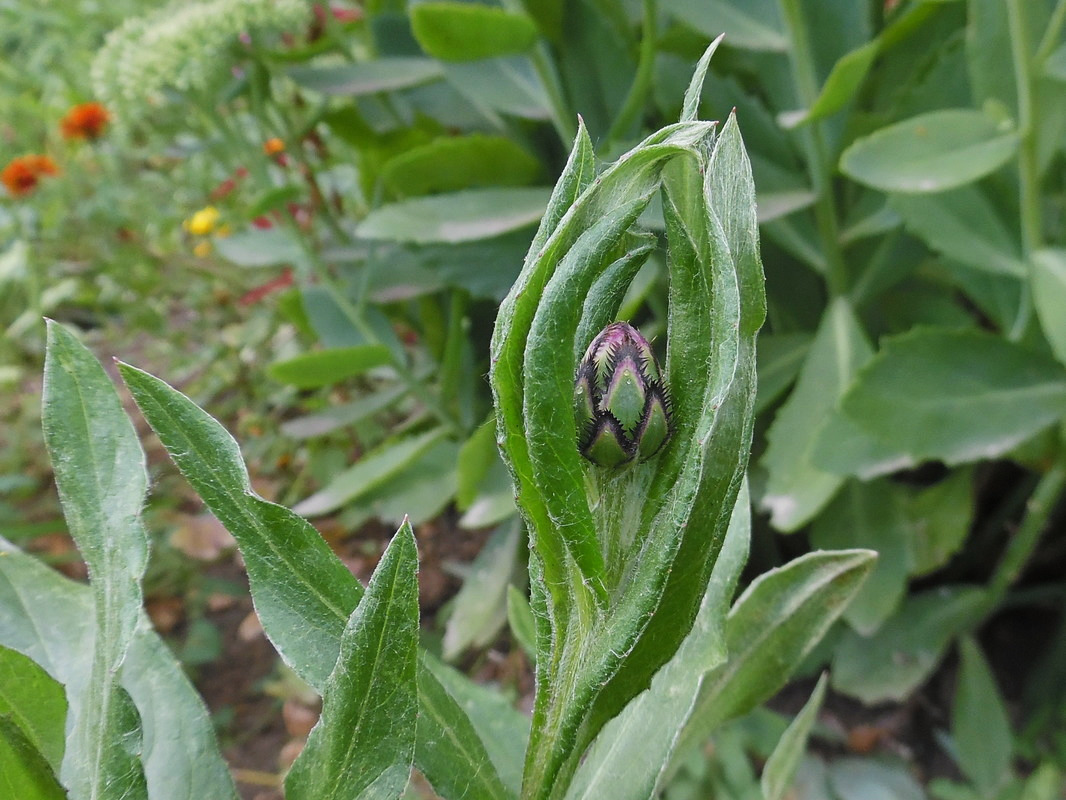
x=35 y=702
x=780 y=769
x=774 y=624
x=363 y=744
x=302 y=592
x=24 y=771
x=101 y=478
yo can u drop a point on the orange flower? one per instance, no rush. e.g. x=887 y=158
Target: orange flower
x=273 y=146
x=21 y=174
x=85 y=121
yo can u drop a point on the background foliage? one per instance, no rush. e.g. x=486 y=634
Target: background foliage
x=377 y=171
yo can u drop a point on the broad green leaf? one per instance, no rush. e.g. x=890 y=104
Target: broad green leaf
x=980 y=726
x=368 y=473
x=327 y=367
x=931 y=152
x=453 y=31
x=780 y=769
x=840 y=87
x=35 y=702
x=776 y=204
x=1055 y=64
x=780 y=358
x=797 y=489
x=781 y=616
x=458 y=217
x=260 y=248
x=480 y=607
x=368 y=77
x=627 y=760
x=303 y=594
x=963 y=225
x=24 y=771
x=453 y=163
x=871 y=516
x=363 y=744
x=751 y=25
x=1049 y=297
x=100 y=474
x=506 y=86
x=988 y=31
x=42 y=615
x=843 y=447
x=890 y=664
x=955 y=395
x=941 y=517
x=867 y=779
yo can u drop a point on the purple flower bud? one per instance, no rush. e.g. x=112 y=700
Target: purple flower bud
x=621 y=404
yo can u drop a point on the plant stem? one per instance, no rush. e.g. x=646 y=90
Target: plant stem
x=1028 y=170
x=634 y=102
x=818 y=164
x=1020 y=549
x=1051 y=33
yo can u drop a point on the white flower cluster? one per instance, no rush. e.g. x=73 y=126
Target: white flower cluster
x=183 y=46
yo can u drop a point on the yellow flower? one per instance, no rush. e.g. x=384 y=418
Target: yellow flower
x=203 y=221
x=273 y=146
x=202 y=249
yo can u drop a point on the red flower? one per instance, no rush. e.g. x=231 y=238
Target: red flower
x=21 y=174
x=85 y=121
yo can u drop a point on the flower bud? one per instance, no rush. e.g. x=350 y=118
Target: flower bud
x=620 y=402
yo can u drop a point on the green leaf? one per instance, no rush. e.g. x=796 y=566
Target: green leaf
x=955 y=395
x=871 y=516
x=841 y=86
x=458 y=217
x=963 y=225
x=323 y=422
x=260 y=248
x=890 y=664
x=931 y=152
x=453 y=31
x=363 y=744
x=101 y=478
x=368 y=77
x=627 y=760
x=780 y=358
x=523 y=625
x=303 y=593
x=797 y=489
x=980 y=726
x=751 y=25
x=480 y=607
x=780 y=769
x=775 y=623
x=36 y=703
x=452 y=163
x=368 y=473
x=867 y=779
x=501 y=86
x=24 y=771
x=941 y=517
x=1049 y=297
x=43 y=614
x=690 y=105
x=476 y=457
x=327 y=367
x=449 y=750
x=988 y=31
x=502 y=728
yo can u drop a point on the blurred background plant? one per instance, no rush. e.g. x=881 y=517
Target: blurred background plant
x=308 y=212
